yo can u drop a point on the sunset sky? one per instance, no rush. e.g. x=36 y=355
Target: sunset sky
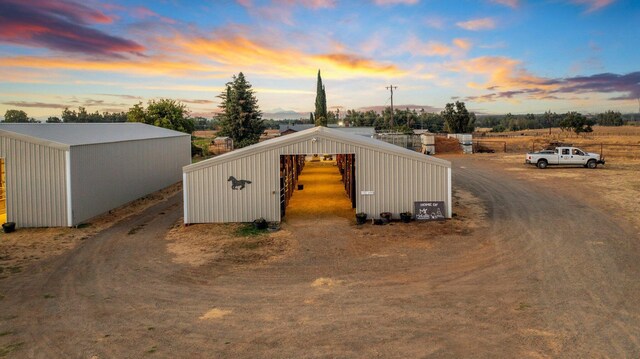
x=498 y=56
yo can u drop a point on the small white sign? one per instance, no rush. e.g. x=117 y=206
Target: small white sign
x=367 y=193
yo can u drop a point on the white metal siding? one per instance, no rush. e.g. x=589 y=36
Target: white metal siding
x=211 y=198
x=105 y=176
x=36 y=187
x=397 y=182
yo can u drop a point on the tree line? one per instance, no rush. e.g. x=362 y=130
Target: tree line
x=569 y=121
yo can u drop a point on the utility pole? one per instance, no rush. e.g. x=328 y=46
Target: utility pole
x=391 y=87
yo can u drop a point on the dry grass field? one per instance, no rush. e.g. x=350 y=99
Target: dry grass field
x=618 y=142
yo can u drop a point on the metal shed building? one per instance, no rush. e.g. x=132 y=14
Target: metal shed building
x=64 y=174
x=387 y=178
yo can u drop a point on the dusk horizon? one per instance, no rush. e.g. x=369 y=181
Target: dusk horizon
x=498 y=56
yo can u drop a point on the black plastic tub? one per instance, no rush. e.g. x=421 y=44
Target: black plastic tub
x=9 y=227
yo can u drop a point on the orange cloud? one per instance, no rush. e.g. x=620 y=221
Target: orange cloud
x=486 y=23
x=462 y=43
x=240 y=52
x=217 y=58
x=148 y=66
x=502 y=73
x=434 y=48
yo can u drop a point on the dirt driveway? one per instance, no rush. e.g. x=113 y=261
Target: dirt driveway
x=548 y=276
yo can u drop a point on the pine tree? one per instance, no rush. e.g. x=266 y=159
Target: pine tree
x=241 y=118
x=321 y=104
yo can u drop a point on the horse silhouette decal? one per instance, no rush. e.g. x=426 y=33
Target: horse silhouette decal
x=235 y=183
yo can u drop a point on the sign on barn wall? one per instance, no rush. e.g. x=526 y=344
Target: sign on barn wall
x=429 y=210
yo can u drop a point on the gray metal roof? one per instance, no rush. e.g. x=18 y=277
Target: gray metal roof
x=76 y=134
x=333 y=133
x=297 y=127
x=361 y=131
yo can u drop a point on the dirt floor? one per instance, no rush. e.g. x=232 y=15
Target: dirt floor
x=614 y=187
x=530 y=267
x=323 y=194
x=28 y=245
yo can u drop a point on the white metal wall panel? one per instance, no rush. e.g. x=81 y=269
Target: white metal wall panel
x=397 y=181
x=217 y=202
x=107 y=175
x=35 y=183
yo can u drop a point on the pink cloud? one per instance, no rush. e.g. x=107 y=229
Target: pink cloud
x=510 y=3
x=594 y=5
x=395 y=2
x=142 y=12
x=61 y=26
x=245 y=3
x=313 y=4
x=70 y=9
x=485 y=23
x=282 y=10
x=435 y=22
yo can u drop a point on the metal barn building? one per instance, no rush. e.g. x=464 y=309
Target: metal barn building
x=63 y=174
x=383 y=177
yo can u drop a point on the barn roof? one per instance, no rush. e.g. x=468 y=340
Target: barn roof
x=76 y=134
x=324 y=132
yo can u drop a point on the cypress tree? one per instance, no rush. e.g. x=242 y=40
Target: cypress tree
x=321 y=103
x=240 y=118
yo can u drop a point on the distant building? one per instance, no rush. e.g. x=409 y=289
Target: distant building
x=222 y=144
x=269 y=134
x=295 y=128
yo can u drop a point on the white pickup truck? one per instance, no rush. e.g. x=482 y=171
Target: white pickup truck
x=564 y=156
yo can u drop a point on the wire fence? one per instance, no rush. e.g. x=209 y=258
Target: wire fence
x=605 y=149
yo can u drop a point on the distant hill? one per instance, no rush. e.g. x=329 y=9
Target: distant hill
x=284 y=115
x=379 y=109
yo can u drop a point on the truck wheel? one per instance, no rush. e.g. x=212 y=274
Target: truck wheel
x=542 y=164
x=592 y=164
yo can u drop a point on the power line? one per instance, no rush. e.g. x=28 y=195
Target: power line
x=391 y=88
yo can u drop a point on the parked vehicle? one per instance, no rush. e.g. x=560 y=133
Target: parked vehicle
x=564 y=156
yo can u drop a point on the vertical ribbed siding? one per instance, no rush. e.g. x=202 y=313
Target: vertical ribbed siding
x=397 y=181
x=211 y=199
x=35 y=183
x=105 y=176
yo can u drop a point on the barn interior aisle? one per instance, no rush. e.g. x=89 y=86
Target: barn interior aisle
x=323 y=194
